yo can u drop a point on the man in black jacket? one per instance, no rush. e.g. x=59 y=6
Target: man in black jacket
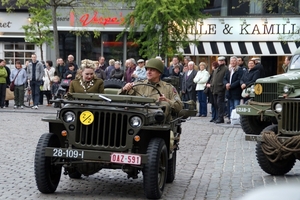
x=232 y=83
x=260 y=67
x=218 y=88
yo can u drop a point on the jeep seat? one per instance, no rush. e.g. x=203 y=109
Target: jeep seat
x=111 y=90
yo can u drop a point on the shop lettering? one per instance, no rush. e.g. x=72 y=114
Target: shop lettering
x=245 y=29
x=88 y=19
x=5 y=24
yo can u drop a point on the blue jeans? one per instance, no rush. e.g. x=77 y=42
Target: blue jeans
x=202 y=99
x=35 y=91
x=214 y=114
x=232 y=104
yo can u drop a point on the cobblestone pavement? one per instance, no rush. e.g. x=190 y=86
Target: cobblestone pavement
x=214 y=162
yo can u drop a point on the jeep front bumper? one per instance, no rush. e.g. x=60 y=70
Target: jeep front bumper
x=96 y=156
x=254 y=110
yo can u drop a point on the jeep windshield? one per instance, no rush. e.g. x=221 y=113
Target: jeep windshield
x=295 y=62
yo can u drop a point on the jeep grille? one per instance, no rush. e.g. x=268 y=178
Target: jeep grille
x=108 y=130
x=290 y=117
x=269 y=92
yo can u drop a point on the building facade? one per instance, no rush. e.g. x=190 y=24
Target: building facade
x=234 y=29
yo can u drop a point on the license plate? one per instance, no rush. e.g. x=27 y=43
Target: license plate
x=124 y=158
x=67 y=153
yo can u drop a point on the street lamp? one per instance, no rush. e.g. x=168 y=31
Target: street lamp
x=158 y=29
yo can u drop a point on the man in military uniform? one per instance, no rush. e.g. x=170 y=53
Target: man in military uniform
x=169 y=95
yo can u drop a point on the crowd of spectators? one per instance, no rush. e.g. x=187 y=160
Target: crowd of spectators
x=222 y=87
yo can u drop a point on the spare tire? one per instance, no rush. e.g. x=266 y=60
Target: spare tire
x=114 y=83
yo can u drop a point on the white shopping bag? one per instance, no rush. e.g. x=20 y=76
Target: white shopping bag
x=235 y=118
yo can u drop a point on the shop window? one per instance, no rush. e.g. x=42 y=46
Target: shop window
x=112 y=48
x=17 y=51
x=67 y=44
x=213 y=8
x=133 y=48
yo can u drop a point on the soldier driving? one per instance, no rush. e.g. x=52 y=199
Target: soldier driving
x=169 y=95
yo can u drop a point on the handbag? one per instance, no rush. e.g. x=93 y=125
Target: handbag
x=65 y=82
x=51 y=82
x=12 y=84
x=206 y=90
x=9 y=95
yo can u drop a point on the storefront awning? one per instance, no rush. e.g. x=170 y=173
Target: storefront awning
x=241 y=48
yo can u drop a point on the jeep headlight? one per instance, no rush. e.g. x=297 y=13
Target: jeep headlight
x=286 y=89
x=135 y=122
x=278 y=107
x=252 y=89
x=69 y=117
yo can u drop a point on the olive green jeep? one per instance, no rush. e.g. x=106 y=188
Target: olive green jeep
x=256 y=113
x=278 y=145
x=109 y=131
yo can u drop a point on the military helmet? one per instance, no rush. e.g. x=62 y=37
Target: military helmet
x=155 y=64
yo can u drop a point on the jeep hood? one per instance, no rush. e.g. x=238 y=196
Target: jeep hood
x=290 y=78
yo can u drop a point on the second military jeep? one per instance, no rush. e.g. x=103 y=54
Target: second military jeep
x=256 y=113
x=278 y=145
x=97 y=131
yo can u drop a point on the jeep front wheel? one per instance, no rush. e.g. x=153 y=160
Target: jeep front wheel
x=155 y=171
x=253 y=124
x=171 y=168
x=279 y=167
x=47 y=173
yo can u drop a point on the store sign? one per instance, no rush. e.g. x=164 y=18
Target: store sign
x=5 y=25
x=96 y=19
x=247 y=29
x=252 y=29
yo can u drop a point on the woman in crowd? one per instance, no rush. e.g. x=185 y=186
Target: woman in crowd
x=86 y=81
x=109 y=69
x=47 y=79
x=117 y=72
x=71 y=72
x=140 y=71
x=19 y=77
x=200 y=80
x=100 y=73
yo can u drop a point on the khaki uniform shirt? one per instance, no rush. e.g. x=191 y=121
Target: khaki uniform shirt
x=97 y=87
x=165 y=88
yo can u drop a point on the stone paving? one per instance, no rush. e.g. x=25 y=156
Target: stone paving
x=214 y=162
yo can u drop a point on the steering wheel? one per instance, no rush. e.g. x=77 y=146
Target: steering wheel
x=148 y=85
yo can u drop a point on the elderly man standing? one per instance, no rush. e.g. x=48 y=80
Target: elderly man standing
x=232 y=82
x=188 y=87
x=35 y=73
x=218 y=88
x=71 y=60
x=129 y=71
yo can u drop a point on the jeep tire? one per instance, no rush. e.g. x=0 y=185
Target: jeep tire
x=171 y=168
x=155 y=171
x=253 y=124
x=279 y=167
x=47 y=174
x=114 y=83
